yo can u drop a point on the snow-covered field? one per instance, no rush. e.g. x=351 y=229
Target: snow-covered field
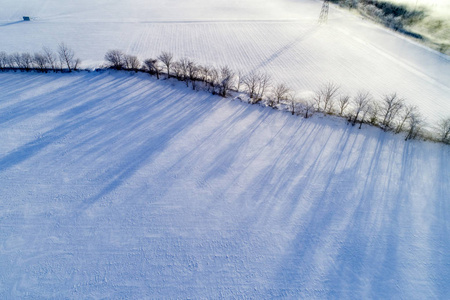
x=119 y=186
x=280 y=37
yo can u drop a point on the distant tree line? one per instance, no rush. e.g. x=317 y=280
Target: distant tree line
x=63 y=59
x=390 y=113
x=393 y=15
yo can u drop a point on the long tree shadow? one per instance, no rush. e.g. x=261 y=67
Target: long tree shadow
x=366 y=251
x=361 y=241
x=323 y=225
x=43 y=103
x=171 y=124
x=12 y=23
x=97 y=113
x=440 y=234
x=200 y=148
x=54 y=99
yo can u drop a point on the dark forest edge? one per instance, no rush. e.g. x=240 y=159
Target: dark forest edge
x=390 y=113
x=403 y=19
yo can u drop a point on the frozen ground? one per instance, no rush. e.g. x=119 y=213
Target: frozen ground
x=280 y=37
x=116 y=186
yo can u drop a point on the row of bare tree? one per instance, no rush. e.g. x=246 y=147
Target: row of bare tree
x=219 y=81
x=391 y=113
x=216 y=80
x=44 y=61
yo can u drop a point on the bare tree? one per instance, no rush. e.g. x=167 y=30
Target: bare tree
x=204 y=71
x=374 y=112
x=186 y=70
x=153 y=66
x=40 y=61
x=415 y=125
x=325 y=97
x=330 y=93
x=76 y=63
x=444 y=130
x=51 y=57
x=265 y=83
x=183 y=64
x=166 y=58
x=148 y=63
x=21 y=60
x=177 y=69
x=367 y=111
x=193 y=72
x=251 y=83
x=66 y=56
x=308 y=106
x=3 y=60
x=406 y=114
x=390 y=108
x=293 y=100
x=318 y=100
x=27 y=60
x=213 y=80
x=226 y=80
x=360 y=102
x=10 y=63
x=116 y=59
x=280 y=92
x=132 y=62
x=15 y=60
x=343 y=102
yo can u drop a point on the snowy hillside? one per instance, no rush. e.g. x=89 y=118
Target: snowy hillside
x=280 y=37
x=120 y=186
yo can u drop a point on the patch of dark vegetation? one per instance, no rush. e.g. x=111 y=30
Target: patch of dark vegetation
x=397 y=10
x=411 y=34
x=392 y=15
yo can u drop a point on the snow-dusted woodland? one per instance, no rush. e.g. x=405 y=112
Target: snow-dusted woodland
x=281 y=38
x=436 y=7
x=116 y=185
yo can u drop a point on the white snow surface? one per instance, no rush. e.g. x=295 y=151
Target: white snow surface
x=279 y=37
x=114 y=185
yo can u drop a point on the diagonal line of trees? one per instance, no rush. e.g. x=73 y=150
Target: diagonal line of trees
x=390 y=113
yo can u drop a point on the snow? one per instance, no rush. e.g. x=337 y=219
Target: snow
x=114 y=185
x=280 y=37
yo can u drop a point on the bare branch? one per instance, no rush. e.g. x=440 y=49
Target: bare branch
x=166 y=58
x=66 y=56
x=390 y=108
x=116 y=59
x=360 y=102
x=343 y=102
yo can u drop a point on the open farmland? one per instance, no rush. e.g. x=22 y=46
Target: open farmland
x=281 y=38
x=119 y=186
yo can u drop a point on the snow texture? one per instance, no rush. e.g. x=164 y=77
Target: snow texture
x=115 y=185
x=281 y=37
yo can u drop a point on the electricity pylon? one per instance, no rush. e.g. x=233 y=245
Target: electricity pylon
x=323 y=18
